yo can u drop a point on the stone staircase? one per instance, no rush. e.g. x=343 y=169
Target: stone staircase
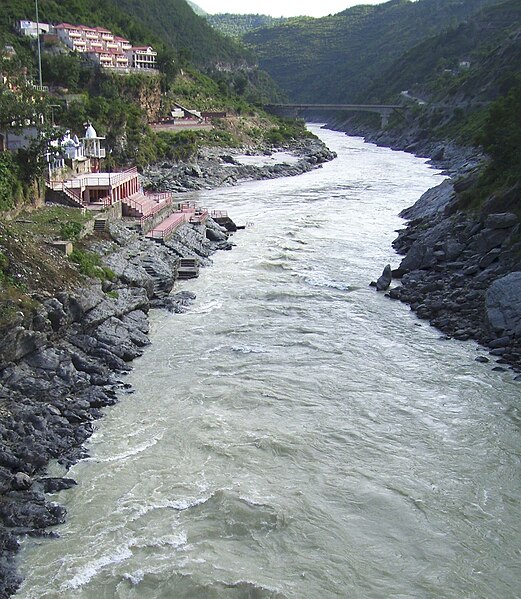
x=100 y=225
x=188 y=268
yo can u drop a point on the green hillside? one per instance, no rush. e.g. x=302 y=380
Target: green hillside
x=238 y=25
x=170 y=23
x=177 y=25
x=477 y=61
x=337 y=58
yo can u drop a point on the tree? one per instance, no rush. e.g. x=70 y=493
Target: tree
x=21 y=104
x=502 y=132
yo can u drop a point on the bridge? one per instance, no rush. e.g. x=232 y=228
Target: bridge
x=293 y=110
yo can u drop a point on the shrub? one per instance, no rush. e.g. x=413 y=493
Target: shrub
x=11 y=191
x=70 y=230
x=90 y=265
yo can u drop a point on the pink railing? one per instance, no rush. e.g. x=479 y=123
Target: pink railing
x=160 y=197
x=162 y=233
x=218 y=214
x=154 y=210
x=134 y=204
x=187 y=207
x=116 y=178
x=144 y=208
x=73 y=195
x=199 y=216
x=102 y=180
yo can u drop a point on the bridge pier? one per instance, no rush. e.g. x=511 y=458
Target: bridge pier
x=384 y=118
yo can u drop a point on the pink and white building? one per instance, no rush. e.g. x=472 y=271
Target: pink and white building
x=104 y=48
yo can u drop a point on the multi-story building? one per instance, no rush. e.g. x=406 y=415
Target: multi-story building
x=104 y=48
x=142 y=57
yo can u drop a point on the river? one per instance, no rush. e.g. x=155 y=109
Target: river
x=295 y=434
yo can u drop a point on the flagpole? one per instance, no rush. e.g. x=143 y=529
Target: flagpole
x=39 y=49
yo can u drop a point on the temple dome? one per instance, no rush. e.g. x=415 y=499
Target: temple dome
x=90 y=132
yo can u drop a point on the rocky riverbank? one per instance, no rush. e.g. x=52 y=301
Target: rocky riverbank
x=461 y=269
x=61 y=369
x=218 y=167
x=62 y=366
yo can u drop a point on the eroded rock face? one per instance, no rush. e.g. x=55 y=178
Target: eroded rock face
x=504 y=304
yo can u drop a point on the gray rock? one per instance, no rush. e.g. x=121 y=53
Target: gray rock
x=22 y=481
x=503 y=301
x=6 y=480
x=432 y=202
x=128 y=300
x=487 y=259
x=503 y=220
x=489 y=239
x=385 y=279
x=53 y=485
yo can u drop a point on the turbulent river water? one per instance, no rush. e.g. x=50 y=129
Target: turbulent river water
x=296 y=434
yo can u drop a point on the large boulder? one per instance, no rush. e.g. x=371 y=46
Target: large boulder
x=432 y=202
x=503 y=220
x=504 y=303
x=385 y=279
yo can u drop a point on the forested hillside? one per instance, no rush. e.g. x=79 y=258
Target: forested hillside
x=476 y=61
x=171 y=23
x=237 y=25
x=337 y=58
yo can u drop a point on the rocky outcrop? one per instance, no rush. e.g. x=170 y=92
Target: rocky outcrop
x=58 y=371
x=213 y=168
x=462 y=274
x=503 y=301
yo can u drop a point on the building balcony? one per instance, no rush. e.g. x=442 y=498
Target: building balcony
x=74 y=34
x=108 y=37
x=92 y=36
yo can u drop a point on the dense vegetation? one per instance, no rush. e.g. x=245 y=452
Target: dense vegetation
x=501 y=139
x=489 y=45
x=238 y=25
x=163 y=23
x=336 y=58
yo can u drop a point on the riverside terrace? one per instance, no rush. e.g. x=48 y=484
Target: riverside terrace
x=159 y=216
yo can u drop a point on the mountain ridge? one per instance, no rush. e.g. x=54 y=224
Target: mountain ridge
x=336 y=58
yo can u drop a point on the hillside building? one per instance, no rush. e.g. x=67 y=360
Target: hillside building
x=31 y=28
x=106 y=49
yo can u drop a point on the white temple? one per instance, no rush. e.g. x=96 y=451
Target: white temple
x=92 y=143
